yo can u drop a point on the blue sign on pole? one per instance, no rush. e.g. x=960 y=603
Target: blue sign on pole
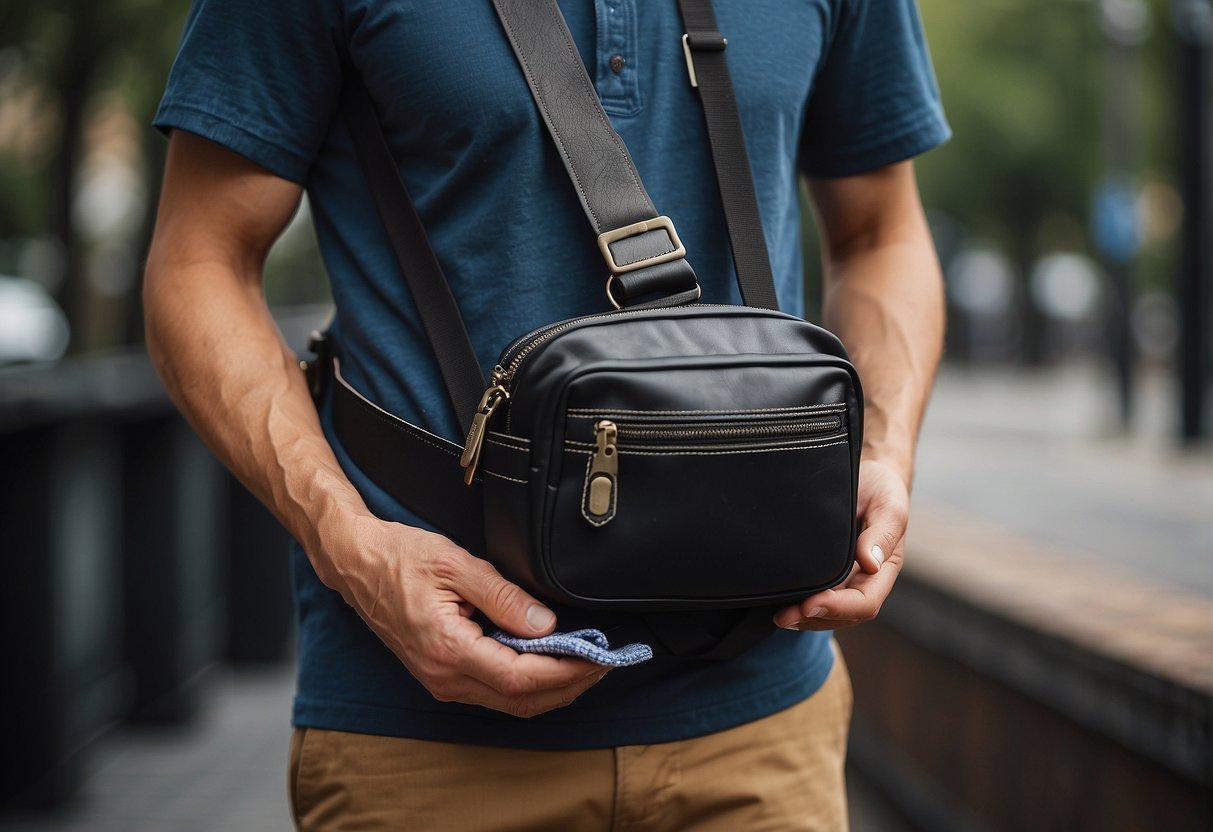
x=1114 y=226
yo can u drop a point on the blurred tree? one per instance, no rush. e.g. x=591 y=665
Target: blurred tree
x=1022 y=86
x=65 y=56
x=1020 y=82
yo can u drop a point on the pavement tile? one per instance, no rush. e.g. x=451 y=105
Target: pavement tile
x=1119 y=613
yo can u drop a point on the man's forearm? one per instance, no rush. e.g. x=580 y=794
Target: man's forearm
x=886 y=304
x=225 y=365
x=227 y=369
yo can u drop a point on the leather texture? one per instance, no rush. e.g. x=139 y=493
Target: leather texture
x=724 y=501
x=662 y=280
x=420 y=470
x=596 y=158
x=640 y=247
x=682 y=534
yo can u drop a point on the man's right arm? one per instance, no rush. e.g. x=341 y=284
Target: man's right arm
x=225 y=365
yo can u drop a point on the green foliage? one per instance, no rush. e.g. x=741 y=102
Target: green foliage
x=69 y=54
x=1024 y=86
x=1020 y=85
x=1022 y=82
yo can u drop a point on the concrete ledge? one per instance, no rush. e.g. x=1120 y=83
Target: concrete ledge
x=1006 y=686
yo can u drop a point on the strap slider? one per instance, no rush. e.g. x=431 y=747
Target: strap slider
x=701 y=42
x=635 y=256
x=318 y=369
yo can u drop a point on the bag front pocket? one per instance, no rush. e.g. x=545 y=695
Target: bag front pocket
x=681 y=506
x=751 y=433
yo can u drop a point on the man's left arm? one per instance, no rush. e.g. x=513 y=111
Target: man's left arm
x=883 y=296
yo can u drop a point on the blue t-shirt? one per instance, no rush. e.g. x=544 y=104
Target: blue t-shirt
x=824 y=87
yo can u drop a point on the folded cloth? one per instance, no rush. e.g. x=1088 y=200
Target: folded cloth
x=591 y=645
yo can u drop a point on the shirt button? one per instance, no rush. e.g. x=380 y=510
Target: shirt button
x=617 y=63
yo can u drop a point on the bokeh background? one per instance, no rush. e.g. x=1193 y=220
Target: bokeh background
x=1047 y=659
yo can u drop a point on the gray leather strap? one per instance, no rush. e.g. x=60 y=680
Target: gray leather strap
x=597 y=161
x=593 y=153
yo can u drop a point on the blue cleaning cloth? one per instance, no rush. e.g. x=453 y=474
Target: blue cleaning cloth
x=591 y=645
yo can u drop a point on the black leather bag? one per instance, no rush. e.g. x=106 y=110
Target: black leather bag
x=673 y=458
x=663 y=456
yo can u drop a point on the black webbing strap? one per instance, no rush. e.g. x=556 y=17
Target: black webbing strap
x=705 y=52
x=436 y=305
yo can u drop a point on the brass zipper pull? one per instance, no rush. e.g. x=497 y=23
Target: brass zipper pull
x=489 y=402
x=603 y=474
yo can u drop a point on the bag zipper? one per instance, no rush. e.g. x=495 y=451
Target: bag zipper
x=499 y=383
x=521 y=347
x=602 y=474
x=513 y=355
x=798 y=427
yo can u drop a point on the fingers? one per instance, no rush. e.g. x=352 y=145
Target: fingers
x=520 y=674
x=886 y=526
x=523 y=704
x=420 y=606
x=475 y=669
x=856 y=601
x=460 y=663
x=508 y=605
x=883 y=509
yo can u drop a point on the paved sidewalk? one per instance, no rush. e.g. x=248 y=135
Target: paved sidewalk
x=1028 y=504
x=225 y=772
x=1036 y=454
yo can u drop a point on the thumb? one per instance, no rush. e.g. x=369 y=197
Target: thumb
x=508 y=605
x=886 y=526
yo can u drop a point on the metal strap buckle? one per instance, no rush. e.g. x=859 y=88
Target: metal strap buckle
x=635 y=229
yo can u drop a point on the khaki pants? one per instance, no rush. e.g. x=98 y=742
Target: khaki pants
x=783 y=772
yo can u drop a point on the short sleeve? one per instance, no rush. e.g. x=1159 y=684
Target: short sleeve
x=260 y=78
x=875 y=100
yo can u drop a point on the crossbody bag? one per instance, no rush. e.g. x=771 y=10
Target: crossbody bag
x=662 y=455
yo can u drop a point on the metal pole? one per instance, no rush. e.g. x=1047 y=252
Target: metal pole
x=1126 y=25
x=1193 y=24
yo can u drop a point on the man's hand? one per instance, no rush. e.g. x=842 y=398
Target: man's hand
x=226 y=367
x=883 y=296
x=883 y=511
x=417 y=591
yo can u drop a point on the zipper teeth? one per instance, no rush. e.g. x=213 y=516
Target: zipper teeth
x=545 y=334
x=741 y=432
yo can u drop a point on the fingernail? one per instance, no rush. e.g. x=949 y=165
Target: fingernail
x=795 y=625
x=817 y=612
x=539 y=618
x=878 y=553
